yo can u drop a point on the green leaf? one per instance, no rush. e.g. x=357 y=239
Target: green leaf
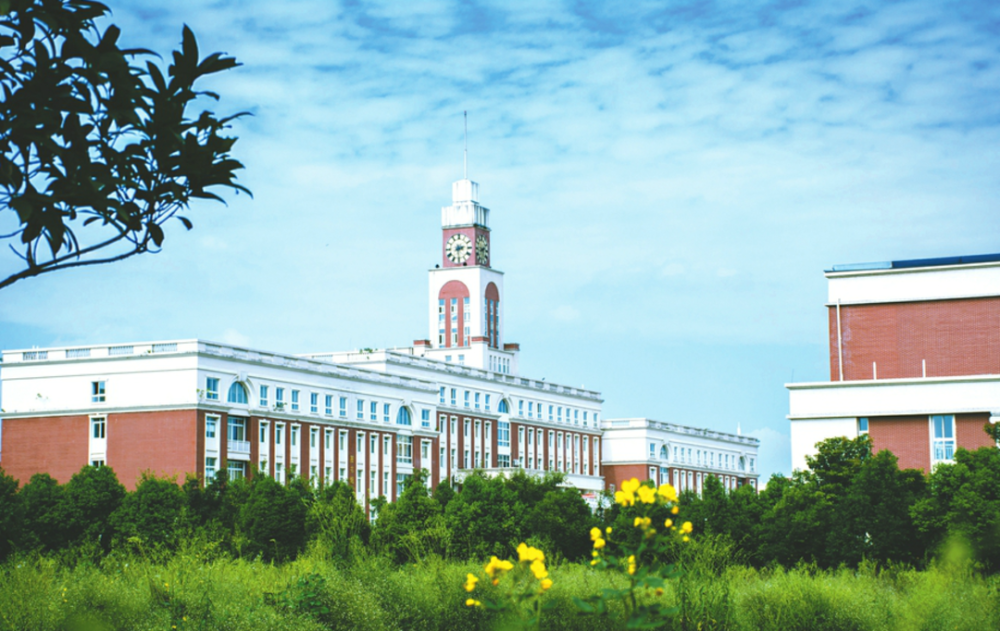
x=584 y=606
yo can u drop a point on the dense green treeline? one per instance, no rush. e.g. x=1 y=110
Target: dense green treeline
x=851 y=505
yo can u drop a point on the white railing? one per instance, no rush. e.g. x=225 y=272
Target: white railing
x=239 y=446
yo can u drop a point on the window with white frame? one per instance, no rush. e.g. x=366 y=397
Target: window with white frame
x=210 y=469
x=294 y=437
x=386 y=446
x=487 y=403
x=313 y=437
x=97 y=427
x=263 y=431
x=943 y=448
x=263 y=396
x=238 y=394
x=385 y=412
x=313 y=403
x=373 y=411
x=404 y=450
x=295 y=400
x=361 y=409
x=503 y=434
x=328 y=407
x=211 y=388
x=343 y=407
x=425 y=418
x=211 y=423
x=862 y=426
x=279 y=398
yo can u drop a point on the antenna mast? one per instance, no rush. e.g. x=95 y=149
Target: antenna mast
x=465 y=116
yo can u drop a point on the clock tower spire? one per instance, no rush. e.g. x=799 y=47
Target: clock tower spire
x=466 y=317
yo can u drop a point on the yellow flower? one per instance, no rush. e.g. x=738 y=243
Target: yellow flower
x=631 y=486
x=608 y=530
x=659 y=591
x=646 y=495
x=668 y=523
x=527 y=554
x=685 y=538
x=472 y=602
x=594 y=562
x=674 y=510
x=631 y=564
x=626 y=496
x=538 y=569
x=495 y=568
x=595 y=553
x=667 y=492
x=470 y=582
x=595 y=534
x=686 y=527
x=599 y=544
x=546 y=583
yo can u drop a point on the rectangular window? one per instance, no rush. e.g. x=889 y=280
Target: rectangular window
x=279 y=430
x=343 y=407
x=503 y=461
x=313 y=437
x=425 y=418
x=404 y=450
x=401 y=479
x=373 y=411
x=295 y=436
x=520 y=408
x=454 y=394
x=328 y=407
x=97 y=427
x=295 y=400
x=385 y=483
x=559 y=414
x=373 y=446
x=465 y=429
x=944 y=438
x=531 y=409
x=503 y=434
x=361 y=409
x=263 y=396
x=211 y=423
x=313 y=403
x=211 y=389
x=466 y=464
x=386 y=446
x=477 y=401
x=550 y=412
x=652 y=450
x=342 y=445
x=466 y=398
x=279 y=398
x=263 y=432
x=328 y=442
x=359 y=446
x=209 y=469
x=385 y=412
x=236 y=469
x=487 y=403
x=862 y=426
x=237 y=429
x=425 y=451
x=279 y=472
x=441 y=401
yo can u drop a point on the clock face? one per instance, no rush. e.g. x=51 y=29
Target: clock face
x=458 y=249
x=482 y=250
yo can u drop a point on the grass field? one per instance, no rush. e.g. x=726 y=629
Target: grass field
x=197 y=589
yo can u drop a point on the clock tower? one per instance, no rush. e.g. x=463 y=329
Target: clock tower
x=466 y=293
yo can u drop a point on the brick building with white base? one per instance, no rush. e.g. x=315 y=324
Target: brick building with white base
x=451 y=403
x=914 y=360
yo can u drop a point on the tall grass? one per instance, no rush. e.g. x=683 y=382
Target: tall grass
x=199 y=589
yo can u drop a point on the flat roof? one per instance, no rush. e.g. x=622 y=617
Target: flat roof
x=935 y=262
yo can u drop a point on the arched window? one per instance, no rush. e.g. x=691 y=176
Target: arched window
x=237 y=393
x=502 y=408
x=453 y=320
x=403 y=417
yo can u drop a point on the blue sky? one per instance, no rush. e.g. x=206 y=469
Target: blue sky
x=667 y=182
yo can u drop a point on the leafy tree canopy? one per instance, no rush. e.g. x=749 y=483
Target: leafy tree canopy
x=91 y=138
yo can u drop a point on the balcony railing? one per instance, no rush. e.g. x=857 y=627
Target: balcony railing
x=239 y=446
